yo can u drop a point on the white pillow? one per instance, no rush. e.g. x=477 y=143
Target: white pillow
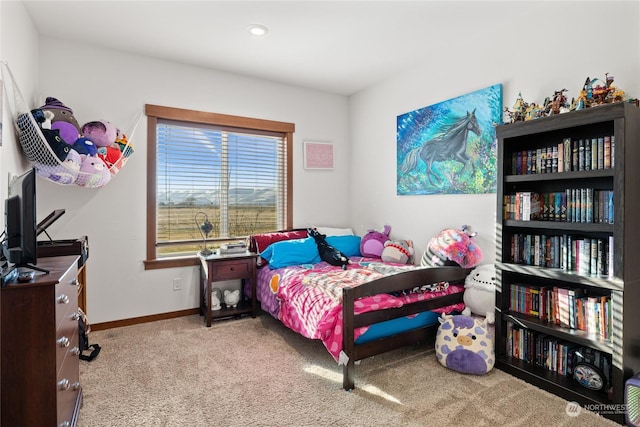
x=329 y=231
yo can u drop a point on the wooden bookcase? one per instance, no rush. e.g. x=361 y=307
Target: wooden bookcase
x=516 y=263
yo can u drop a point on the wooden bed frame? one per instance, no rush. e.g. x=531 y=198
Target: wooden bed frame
x=394 y=283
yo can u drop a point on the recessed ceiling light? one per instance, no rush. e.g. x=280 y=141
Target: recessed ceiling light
x=258 y=30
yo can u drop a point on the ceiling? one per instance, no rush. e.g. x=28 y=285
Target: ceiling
x=339 y=47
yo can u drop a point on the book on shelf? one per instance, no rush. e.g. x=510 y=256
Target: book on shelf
x=553 y=354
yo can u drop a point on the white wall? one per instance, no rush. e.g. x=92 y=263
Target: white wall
x=561 y=50
x=552 y=46
x=19 y=49
x=102 y=84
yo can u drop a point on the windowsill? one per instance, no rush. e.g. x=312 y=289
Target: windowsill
x=154 y=264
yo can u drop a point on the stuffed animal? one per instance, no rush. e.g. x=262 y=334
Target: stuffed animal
x=104 y=135
x=93 y=172
x=452 y=247
x=62 y=120
x=372 y=243
x=85 y=146
x=43 y=118
x=327 y=252
x=399 y=251
x=480 y=292
x=123 y=143
x=464 y=344
x=65 y=173
x=231 y=298
x=100 y=132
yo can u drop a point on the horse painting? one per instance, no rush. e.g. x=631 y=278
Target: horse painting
x=450 y=143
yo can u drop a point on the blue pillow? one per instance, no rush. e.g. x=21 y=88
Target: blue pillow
x=348 y=245
x=291 y=252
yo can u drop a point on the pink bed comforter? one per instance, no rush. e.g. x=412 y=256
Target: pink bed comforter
x=308 y=298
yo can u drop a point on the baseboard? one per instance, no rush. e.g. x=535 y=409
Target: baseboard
x=143 y=319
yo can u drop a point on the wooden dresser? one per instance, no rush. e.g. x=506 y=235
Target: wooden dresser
x=39 y=364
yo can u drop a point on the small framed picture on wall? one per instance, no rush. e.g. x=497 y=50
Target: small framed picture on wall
x=318 y=155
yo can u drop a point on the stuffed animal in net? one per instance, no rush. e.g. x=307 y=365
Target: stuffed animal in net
x=43 y=118
x=399 y=251
x=65 y=173
x=465 y=344
x=104 y=134
x=93 y=172
x=62 y=119
x=372 y=243
x=327 y=252
x=480 y=292
x=452 y=247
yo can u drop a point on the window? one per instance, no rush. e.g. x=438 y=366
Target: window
x=234 y=170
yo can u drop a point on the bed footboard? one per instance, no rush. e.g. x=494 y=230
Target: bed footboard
x=394 y=283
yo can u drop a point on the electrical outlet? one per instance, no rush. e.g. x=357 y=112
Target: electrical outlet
x=177 y=284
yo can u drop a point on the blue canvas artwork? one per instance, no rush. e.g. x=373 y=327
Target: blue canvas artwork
x=450 y=147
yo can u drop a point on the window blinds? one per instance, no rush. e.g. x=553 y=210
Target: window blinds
x=235 y=176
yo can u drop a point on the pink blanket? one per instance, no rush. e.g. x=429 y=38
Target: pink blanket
x=310 y=299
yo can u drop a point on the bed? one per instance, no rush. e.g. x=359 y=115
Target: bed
x=366 y=309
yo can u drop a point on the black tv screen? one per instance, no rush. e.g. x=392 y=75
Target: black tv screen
x=20 y=245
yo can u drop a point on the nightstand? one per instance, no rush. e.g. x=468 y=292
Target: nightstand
x=217 y=268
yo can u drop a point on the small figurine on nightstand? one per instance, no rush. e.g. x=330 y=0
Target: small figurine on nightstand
x=231 y=298
x=215 y=299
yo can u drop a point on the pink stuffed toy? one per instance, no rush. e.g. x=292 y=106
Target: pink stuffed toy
x=452 y=247
x=101 y=132
x=104 y=135
x=372 y=243
x=93 y=172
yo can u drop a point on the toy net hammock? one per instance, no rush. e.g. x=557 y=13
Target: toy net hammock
x=59 y=168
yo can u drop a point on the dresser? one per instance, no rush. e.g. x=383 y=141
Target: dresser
x=39 y=364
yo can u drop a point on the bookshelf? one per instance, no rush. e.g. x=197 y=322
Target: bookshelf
x=568 y=252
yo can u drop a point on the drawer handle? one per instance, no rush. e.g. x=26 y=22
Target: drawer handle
x=75 y=316
x=74 y=281
x=63 y=342
x=63 y=299
x=65 y=424
x=75 y=351
x=75 y=386
x=64 y=384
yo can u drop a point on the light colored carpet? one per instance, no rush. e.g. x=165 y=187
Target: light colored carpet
x=256 y=372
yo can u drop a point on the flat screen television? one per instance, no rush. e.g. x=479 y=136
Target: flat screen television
x=20 y=223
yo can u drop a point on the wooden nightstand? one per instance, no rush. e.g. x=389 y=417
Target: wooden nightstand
x=216 y=268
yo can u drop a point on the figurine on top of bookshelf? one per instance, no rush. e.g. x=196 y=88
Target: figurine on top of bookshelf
x=557 y=103
x=595 y=92
x=517 y=113
x=523 y=111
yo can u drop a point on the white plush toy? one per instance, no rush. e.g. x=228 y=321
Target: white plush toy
x=231 y=298
x=480 y=292
x=215 y=300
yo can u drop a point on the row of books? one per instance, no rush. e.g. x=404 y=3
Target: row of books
x=553 y=354
x=586 y=205
x=567 y=307
x=569 y=155
x=585 y=255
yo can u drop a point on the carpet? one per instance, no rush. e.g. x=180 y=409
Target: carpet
x=178 y=372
